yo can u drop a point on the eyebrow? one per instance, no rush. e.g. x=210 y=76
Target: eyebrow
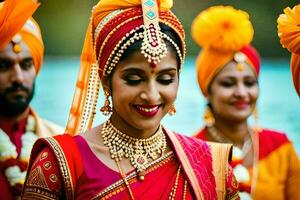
x=133 y=69
x=12 y=60
x=28 y=59
x=167 y=70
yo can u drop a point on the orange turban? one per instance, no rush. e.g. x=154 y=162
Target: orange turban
x=289 y=34
x=222 y=31
x=112 y=23
x=15 y=18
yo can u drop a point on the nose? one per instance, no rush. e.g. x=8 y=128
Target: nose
x=241 y=91
x=17 y=73
x=150 y=93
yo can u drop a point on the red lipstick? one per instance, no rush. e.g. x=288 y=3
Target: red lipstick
x=147 y=110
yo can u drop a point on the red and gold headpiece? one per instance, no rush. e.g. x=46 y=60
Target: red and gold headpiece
x=289 y=34
x=114 y=26
x=224 y=34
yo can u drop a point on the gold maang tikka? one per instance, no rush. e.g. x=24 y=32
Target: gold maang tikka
x=153 y=45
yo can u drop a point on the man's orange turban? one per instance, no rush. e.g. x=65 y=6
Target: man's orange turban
x=15 y=18
x=222 y=31
x=289 y=34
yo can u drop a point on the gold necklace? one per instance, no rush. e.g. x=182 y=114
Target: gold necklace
x=219 y=137
x=174 y=188
x=123 y=176
x=138 y=151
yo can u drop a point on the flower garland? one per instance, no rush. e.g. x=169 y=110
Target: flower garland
x=242 y=174
x=15 y=167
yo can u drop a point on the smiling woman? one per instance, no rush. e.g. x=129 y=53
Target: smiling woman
x=137 y=48
x=265 y=162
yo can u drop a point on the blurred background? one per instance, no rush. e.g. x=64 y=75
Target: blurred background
x=64 y=23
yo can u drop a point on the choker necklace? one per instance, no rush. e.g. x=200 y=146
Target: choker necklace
x=138 y=151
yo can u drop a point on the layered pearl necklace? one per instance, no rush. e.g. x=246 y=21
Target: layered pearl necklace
x=14 y=168
x=138 y=151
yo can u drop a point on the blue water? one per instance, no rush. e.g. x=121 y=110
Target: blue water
x=278 y=105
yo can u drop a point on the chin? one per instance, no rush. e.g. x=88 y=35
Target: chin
x=146 y=124
x=239 y=117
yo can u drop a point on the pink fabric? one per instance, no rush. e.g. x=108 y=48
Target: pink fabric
x=95 y=174
x=199 y=155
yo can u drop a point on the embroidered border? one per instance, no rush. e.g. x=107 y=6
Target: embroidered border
x=63 y=167
x=35 y=192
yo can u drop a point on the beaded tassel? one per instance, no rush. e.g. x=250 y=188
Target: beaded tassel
x=91 y=99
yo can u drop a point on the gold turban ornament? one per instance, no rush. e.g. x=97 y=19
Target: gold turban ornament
x=289 y=34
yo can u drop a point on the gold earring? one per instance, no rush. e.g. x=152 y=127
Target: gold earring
x=208 y=117
x=172 y=110
x=106 y=108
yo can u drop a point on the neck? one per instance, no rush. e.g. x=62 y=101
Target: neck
x=236 y=132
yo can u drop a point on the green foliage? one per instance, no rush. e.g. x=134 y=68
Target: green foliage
x=64 y=23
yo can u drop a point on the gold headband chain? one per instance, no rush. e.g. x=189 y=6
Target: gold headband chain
x=116 y=55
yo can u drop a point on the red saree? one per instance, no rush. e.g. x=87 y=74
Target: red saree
x=189 y=171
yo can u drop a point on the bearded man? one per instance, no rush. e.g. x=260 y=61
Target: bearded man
x=21 y=57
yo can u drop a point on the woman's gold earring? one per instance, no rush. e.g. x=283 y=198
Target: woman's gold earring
x=106 y=108
x=208 y=118
x=172 y=110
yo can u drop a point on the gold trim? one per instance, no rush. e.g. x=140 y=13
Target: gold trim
x=186 y=165
x=38 y=193
x=220 y=157
x=64 y=168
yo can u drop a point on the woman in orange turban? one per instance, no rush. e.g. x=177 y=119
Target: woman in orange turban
x=264 y=162
x=136 y=50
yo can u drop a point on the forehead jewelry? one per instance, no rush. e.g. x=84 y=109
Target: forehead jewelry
x=153 y=46
x=16 y=40
x=239 y=58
